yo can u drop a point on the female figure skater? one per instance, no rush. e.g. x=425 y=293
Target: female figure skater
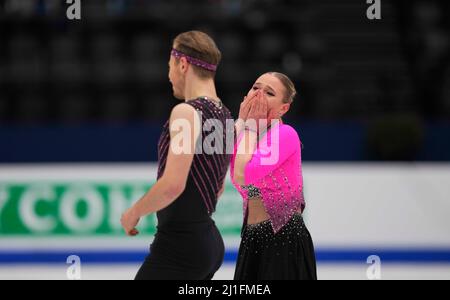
x=187 y=245
x=275 y=242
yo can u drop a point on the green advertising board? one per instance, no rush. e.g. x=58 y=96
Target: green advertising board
x=83 y=209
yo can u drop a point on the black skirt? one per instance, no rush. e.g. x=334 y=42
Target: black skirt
x=287 y=255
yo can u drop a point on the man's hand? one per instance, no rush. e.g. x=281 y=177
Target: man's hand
x=129 y=222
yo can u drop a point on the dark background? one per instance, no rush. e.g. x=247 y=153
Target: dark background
x=97 y=90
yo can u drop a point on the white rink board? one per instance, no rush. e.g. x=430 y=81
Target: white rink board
x=374 y=207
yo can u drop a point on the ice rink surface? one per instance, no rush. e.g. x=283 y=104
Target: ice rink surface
x=127 y=272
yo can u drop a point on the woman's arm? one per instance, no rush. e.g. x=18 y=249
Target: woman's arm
x=184 y=131
x=247 y=146
x=284 y=142
x=239 y=126
x=244 y=155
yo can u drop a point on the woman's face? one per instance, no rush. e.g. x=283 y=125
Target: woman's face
x=275 y=94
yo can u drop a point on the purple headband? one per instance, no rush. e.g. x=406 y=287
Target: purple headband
x=194 y=61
